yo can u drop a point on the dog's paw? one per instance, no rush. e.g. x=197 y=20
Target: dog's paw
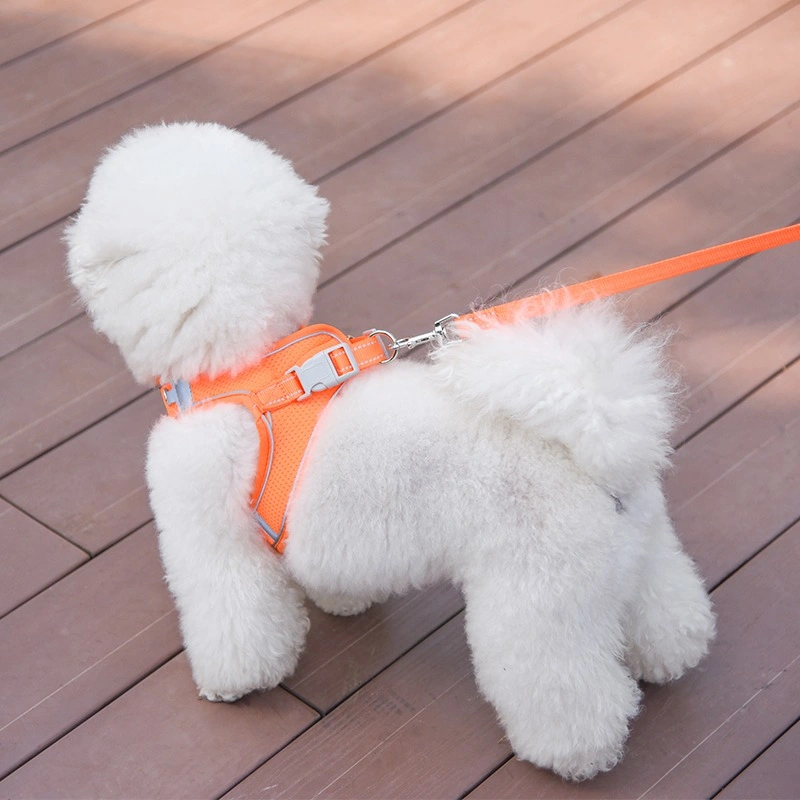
x=343 y=605
x=581 y=730
x=673 y=644
x=219 y=697
x=584 y=766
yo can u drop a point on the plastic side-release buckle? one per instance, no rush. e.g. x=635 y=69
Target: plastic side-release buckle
x=319 y=372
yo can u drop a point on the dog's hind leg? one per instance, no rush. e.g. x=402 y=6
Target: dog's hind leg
x=546 y=644
x=242 y=617
x=670 y=622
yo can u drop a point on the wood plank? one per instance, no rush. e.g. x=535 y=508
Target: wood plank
x=746 y=733
x=77 y=645
x=703 y=207
x=748 y=683
x=56 y=386
x=337 y=120
x=424 y=174
x=569 y=193
x=28 y=24
x=157 y=740
x=734 y=486
x=46 y=178
x=105 y=60
x=343 y=653
x=743 y=736
x=503 y=139
x=735 y=333
x=402 y=735
x=37 y=296
x=775 y=775
x=106 y=498
x=33 y=557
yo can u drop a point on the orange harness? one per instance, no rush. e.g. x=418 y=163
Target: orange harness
x=309 y=366
x=288 y=390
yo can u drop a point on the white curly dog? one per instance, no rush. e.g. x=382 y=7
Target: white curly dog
x=521 y=462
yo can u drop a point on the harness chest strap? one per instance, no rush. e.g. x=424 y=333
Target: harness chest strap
x=286 y=393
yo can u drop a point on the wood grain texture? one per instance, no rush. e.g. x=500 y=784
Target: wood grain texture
x=570 y=193
x=336 y=122
x=37 y=296
x=88 y=663
x=403 y=735
x=426 y=174
x=29 y=24
x=33 y=557
x=734 y=486
x=106 y=498
x=97 y=64
x=735 y=333
x=57 y=386
x=46 y=178
x=466 y=146
x=343 y=653
x=775 y=775
x=432 y=167
x=714 y=762
x=77 y=645
x=159 y=740
x=338 y=119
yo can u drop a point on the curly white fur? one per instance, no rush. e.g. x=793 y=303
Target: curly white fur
x=181 y=227
x=578 y=377
x=523 y=464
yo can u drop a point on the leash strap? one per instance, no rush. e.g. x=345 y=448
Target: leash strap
x=620 y=282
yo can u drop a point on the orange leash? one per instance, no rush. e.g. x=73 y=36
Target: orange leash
x=620 y=282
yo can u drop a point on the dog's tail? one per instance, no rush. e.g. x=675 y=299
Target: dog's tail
x=580 y=377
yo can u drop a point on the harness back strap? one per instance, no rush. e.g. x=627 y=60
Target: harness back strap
x=286 y=393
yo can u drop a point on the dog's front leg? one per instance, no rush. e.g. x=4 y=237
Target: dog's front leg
x=242 y=617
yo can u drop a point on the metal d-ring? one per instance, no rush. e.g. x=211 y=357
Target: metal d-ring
x=392 y=346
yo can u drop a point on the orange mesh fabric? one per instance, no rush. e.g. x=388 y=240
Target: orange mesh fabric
x=285 y=419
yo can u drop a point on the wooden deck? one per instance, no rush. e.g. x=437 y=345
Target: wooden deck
x=467 y=147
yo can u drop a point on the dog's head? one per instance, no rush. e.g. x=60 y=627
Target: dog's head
x=195 y=250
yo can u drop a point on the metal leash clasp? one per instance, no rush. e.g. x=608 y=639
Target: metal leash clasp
x=438 y=334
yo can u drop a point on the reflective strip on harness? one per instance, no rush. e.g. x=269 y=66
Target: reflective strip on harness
x=286 y=393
